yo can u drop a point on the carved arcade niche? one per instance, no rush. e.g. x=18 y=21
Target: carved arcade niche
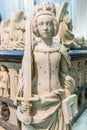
x=79 y=73
x=8 y=89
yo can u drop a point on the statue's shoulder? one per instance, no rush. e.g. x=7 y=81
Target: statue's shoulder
x=35 y=42
x=63 y=49
x=60 y=46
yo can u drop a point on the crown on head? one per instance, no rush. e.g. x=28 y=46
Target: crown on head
x=45 y=8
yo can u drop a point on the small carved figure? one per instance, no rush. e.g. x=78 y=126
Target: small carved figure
x=65 y=31
x=65 y=34
x=4 y=81
x=80 y=40
x=17 y=30
x=12 y=32
x=5 y=32
x=51 y=82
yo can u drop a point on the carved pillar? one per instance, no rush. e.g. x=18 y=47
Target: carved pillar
x=13 y=83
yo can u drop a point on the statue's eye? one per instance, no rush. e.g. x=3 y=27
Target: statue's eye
x=41 y=23
x=49 y=23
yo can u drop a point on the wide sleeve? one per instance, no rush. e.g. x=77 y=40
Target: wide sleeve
x=65 y=79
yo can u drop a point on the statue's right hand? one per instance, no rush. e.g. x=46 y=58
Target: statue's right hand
x=24 y=106
x=23 y=113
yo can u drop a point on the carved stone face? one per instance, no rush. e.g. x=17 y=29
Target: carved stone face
x=45 y=26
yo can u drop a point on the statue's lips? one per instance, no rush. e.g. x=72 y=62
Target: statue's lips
x=45 y=33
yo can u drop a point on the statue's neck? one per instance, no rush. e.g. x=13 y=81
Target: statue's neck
x=47 y=42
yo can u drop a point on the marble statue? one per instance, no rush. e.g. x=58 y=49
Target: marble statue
x=65 y=33
x=44 y=74
x=13 y=32
x=13 y=82
x=80 y=40
x=17 y=30
x=5 y=32
x=4 y=81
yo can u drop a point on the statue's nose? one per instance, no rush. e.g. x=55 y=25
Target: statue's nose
x=45 y=27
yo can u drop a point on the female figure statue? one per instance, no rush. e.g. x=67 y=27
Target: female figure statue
x=50 y=79
x=4 y=81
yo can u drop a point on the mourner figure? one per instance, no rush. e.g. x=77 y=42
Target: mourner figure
x=4 y=81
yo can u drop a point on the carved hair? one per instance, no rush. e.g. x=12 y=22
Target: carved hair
x=5 y=67
x=45 y=9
